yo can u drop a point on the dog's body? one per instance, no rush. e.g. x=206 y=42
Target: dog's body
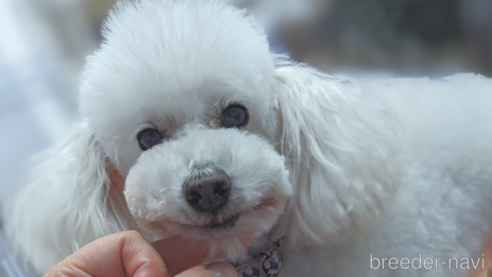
x=334 y=169
x=443 y=209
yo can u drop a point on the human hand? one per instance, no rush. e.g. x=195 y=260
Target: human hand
x=128 y=254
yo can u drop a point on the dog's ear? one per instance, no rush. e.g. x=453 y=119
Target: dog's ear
x=343 y=165
x=68 y=202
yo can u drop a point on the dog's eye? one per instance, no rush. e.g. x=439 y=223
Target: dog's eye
x=235 y=116
x=148 y=138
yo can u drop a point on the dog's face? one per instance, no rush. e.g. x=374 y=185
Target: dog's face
x=213 y=135
x=189 y=117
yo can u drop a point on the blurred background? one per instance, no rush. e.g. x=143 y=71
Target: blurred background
x=43 y=45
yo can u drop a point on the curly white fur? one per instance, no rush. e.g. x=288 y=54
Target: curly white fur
x=337 y=169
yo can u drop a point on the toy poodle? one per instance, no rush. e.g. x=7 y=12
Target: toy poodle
x=193 y=128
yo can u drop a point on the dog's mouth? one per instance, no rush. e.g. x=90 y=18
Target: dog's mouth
x=217 y=223
x=224 y=224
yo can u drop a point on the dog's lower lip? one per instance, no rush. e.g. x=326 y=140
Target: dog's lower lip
x=228 y=223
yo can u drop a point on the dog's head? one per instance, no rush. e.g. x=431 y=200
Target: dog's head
x=217 y=139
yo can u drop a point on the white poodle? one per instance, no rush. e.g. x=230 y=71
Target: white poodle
x=194 y=128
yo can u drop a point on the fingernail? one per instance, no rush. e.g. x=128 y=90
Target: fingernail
x=246 y=241
x=221 y=270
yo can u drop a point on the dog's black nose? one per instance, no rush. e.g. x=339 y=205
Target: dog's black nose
x=207 y=193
